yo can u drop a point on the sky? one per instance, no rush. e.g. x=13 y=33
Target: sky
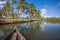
x=48 y=8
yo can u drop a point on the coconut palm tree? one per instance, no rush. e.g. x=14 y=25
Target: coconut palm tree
x=31 y=10
x=0 y=13
x=38 y=14
x=18 y=11
x=4 y=11
x=23 y=5
x=12 y=8
x=8 y=9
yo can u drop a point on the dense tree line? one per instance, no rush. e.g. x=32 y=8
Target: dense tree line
x=22 y=7
x=53 y=19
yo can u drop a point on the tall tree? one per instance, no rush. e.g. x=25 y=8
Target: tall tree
x=7 y=9
x=0 y=13
x=31 y=10
x=23 y=5
x=38 y=14
x=4 y=13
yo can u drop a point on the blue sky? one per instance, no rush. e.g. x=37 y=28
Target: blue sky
x=48 y=8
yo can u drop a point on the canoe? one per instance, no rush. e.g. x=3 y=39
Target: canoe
x=15 y=35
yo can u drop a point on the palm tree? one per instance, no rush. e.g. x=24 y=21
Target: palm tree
x=18 y=11
x=12 y=7
x=31 y=10
x=6 y=9
x=0 y=13
x=38 y=14
x=23 y=5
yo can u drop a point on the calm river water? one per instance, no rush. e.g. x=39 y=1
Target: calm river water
x=33 y=30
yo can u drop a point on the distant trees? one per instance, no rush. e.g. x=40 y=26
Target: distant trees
x=52 y=19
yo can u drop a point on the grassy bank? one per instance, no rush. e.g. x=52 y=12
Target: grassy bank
x=8 y=21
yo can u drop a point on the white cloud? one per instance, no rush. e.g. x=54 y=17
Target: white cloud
x=58 y=4
x=2 y=2
x=43 y=11
x=42 y=27
x=51 y=16
x=47 y=16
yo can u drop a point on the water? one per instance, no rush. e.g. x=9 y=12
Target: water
x=33 y=30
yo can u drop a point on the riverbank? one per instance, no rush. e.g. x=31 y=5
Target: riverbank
x=10 y=21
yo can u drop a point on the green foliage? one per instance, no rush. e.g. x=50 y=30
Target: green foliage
x=25 y=7
x=54 y=19
x=0 y=15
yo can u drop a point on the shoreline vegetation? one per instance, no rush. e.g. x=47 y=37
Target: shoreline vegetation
x=8 y=15
x=10 y=21
x=52 y=20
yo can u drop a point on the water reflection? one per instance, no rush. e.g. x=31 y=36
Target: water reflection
x=42 y=27
x=33 y=30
